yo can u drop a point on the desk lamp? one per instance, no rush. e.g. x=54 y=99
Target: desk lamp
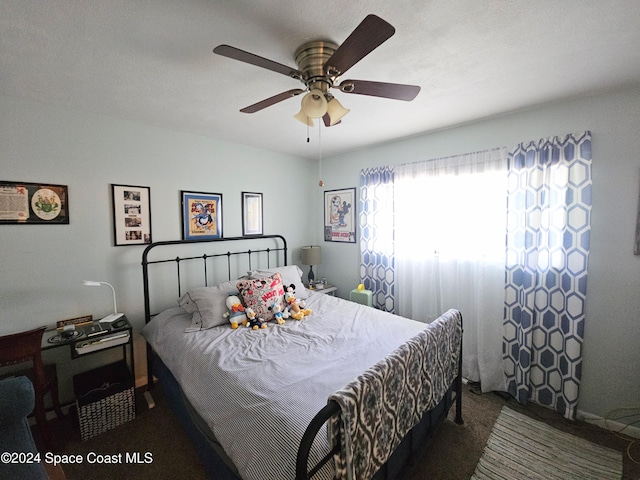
x=113 y=316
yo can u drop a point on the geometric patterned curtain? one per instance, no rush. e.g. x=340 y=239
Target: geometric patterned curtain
x=548 y=232
x=377 y=264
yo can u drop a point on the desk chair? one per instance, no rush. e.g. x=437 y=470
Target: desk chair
x=26 y=347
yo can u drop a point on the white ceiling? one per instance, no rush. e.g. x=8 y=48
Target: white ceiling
x=152 y=61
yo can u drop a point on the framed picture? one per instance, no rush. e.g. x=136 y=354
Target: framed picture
x=201 y=215
x=251 y=214
x=131 y=214
x=340 y=215
x=23 y=203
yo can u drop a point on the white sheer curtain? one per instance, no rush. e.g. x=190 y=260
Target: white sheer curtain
x=450 y=217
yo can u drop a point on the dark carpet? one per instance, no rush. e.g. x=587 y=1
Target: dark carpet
x=156 y=437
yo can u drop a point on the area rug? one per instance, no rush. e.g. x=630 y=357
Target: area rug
x=520 y=447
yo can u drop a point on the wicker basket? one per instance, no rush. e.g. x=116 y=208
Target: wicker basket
x=105 y=398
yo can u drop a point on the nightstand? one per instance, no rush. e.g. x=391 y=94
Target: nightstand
x=104 y=396
x=94 y=337
x=327 y=289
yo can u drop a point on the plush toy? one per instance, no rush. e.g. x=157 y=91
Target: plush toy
x=297 y=312
x=235 y=311
x=278 y=314
x=253 y=322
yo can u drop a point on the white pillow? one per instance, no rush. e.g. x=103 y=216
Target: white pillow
x=207 y=305
x=291 y=275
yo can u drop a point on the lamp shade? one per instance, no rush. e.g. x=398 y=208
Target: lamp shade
x=311 y=255
x=313 y=104
x=302 y=118
x=336 y=111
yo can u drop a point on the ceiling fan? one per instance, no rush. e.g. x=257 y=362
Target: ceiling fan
x=320 y=64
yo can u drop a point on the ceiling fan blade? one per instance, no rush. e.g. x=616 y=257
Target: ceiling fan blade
x=256 y=107
x=396 y=91
x=241 y=55
x=369 y=35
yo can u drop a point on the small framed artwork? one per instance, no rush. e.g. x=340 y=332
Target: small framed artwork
x=131 y=214
x=340 y=215
x=23 y=203
x=201 y=215
x=251 y=214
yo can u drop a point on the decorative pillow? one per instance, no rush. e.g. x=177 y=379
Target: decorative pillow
x=207 y=305
x=291 y=275
x=262 y=293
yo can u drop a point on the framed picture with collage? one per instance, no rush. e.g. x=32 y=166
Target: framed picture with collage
x=131 y=214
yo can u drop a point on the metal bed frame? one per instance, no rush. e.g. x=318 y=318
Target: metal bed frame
x=400 y=461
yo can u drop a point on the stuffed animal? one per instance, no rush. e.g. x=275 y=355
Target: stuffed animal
x=290 y=298
x=278 y=314
x=253 y=322
x=235 y=311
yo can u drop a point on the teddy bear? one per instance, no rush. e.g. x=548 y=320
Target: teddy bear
x=297 y=312
x=278 y=312
x=253 y=322
x=235 y=311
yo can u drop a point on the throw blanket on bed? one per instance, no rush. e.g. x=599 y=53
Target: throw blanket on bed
x=380 y=406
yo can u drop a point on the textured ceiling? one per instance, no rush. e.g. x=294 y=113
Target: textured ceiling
x=152 y=61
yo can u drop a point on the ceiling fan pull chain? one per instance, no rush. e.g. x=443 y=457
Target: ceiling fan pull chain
x=321 y=182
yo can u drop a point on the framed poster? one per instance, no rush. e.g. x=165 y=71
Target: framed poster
x=23 y=203
x=131 y=214
x=340 y=215
x=251 y=214
x=201 y=215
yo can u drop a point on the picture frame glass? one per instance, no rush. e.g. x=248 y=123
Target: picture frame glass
x=340 y=215
x=26 y=203
x=201 y=215
x=131 y=214
x=252 y=214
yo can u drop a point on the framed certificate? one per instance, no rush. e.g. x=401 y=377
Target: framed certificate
x=23 y=203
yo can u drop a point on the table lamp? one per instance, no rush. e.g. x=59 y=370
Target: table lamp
x=311 y=255
x=113 y=316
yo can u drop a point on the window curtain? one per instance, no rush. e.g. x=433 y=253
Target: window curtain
x=377 y=265
x=450 y=251
x=548 y=234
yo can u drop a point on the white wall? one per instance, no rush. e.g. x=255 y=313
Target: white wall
x=612 y=331
x=42 y=267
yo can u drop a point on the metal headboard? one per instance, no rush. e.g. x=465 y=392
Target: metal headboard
x=217 y=248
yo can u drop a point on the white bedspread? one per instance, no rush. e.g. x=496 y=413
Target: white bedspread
x=258 y=390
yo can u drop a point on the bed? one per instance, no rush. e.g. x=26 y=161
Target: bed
x=347 y=392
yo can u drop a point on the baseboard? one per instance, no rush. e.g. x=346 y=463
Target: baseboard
x=608 y=424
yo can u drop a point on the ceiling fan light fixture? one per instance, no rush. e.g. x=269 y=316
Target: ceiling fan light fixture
x=313 y=104
x=303 y=118
x=336 y=111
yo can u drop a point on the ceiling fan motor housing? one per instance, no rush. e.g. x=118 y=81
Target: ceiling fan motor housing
x=310 y=59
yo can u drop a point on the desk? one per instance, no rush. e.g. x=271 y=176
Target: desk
x=117 y=334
